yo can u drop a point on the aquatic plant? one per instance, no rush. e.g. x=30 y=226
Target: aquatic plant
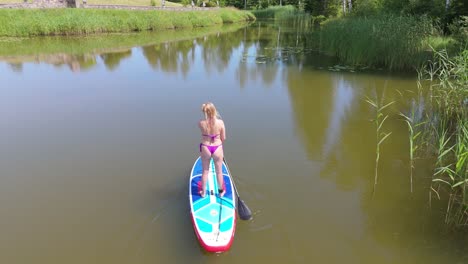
x=379 y=120
x=394 y=42
x=448 y=84
x=414 y=134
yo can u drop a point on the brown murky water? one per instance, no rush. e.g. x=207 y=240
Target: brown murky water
x=98 y=136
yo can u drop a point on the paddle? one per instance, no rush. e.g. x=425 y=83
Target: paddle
x=242 y=209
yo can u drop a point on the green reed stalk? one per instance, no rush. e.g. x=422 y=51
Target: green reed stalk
x=413 y=137
x=449 y=93
x=379 y=120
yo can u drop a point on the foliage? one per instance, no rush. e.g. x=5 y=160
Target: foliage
x=132 y=2
x=435 y=9
x=395 y=42
x=211 y=3
x=448 y=83
x=186 y=2
x=327 y=8
x=379 y=120
x=318 y=20
x=459 y=28
x=276 y=12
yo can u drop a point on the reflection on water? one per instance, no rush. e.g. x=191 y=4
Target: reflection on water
x=99 y=134
x=75 y=63
x=342 y=100
x=171 y=57
x=113 y=59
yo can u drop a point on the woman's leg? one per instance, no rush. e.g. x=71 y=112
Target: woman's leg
x=218 y=161
x=206 y=158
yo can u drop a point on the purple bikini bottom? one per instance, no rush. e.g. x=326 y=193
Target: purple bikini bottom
x=212 y=149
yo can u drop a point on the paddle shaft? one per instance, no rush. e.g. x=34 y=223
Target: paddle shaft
x=243 y=209
x=232 y=177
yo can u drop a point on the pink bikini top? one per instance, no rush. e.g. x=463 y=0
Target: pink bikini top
x=213 y=136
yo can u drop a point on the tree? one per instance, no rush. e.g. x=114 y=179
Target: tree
x=326 y=8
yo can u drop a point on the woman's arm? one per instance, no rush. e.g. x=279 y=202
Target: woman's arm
x=223 y=131
x=200 y=125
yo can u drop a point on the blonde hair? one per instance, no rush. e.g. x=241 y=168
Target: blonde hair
x=210 y=113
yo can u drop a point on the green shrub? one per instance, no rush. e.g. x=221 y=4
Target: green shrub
x=208 y=4
x=459 y=28
x=317 y=20
x=277 y=12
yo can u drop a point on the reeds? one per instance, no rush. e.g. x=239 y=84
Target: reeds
x=451 y=171
x=414 y=134
x=379 y=120
x=448 y=83
x=394 y=42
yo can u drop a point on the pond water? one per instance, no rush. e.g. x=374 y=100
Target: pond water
x=99 y=134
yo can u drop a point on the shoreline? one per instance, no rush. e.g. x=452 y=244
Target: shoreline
x=30 y=22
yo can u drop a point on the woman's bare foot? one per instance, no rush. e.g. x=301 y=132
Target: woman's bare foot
x=222 y=192
x=202 y=193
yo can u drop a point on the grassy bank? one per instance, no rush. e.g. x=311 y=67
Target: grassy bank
x=109 y=2
x=131 y=2
x=393 y=42
x=70 y=21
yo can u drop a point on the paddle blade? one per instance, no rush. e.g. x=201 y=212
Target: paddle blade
x=243 y=210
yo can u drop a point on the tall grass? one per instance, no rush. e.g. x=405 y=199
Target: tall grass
x=22 y=22
x=414 y=130
x=379 y=120
x=394 y=42
x=131 y=2
x=109 y=2
x=448 y=82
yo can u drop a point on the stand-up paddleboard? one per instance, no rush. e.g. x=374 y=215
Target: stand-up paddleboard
x=213 y=217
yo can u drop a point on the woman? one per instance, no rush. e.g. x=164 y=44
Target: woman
x=213 y=135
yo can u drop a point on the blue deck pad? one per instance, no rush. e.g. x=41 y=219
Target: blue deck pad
x=198 y=169
x=195 y=184
x=212 y=211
